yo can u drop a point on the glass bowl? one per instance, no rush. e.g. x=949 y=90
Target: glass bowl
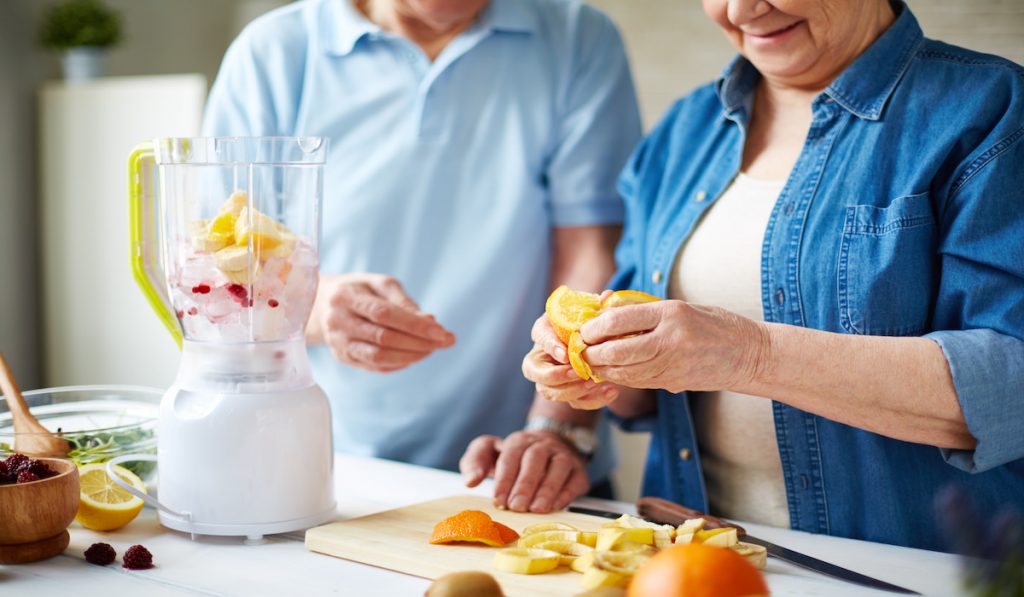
x=99 y=422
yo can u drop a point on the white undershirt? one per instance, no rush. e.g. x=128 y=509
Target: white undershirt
x=720 y=264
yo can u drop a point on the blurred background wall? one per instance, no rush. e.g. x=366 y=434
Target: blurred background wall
x=672 y=45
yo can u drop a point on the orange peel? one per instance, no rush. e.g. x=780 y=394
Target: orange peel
x=472 y=526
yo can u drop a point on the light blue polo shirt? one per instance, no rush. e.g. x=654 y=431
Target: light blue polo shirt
x=449 y=176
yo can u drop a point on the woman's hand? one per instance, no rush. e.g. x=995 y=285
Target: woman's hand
x=675 y=346
x=547 y=365
x=533 y=471
x=369 y=322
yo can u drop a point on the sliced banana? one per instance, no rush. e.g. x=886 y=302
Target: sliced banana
x=547 y=526
x=755 y=555
x=570 y=550
x=519 y=560
x=534 y=539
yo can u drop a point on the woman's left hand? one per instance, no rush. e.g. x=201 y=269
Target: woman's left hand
x=675 y=346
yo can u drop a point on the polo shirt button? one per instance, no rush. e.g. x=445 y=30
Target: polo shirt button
x=700 y=196
x=656 y=276
x=780 y=297
x=685 y=454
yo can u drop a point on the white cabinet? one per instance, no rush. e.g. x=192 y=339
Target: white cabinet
x=97 y=326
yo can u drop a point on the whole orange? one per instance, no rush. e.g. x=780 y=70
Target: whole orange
x=697 y=570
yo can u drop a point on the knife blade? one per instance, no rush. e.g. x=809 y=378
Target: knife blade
x=665 y=512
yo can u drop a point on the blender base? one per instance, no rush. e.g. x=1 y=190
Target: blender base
x=252 y=532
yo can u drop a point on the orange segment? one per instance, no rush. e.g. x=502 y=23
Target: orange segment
x=567 y=310
x=472 y=526
x=621 y=298
x=579 y=364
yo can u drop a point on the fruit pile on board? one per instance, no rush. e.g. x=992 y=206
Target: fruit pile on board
x=612 y=555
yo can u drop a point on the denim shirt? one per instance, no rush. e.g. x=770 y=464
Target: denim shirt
x=903 y=216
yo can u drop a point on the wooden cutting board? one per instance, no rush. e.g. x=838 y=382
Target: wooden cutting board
x=398 y=540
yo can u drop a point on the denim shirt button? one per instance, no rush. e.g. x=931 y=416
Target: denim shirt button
x=685 y=454
x=789 y=208
x=700 y=196
x=805 y=481
x=656 y=276
x=780 y=297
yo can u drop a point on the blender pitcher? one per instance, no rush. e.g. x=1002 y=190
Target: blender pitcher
x=224 y=241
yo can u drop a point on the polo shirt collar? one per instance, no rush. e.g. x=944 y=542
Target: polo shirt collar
x=863 y=88
x=345 y=25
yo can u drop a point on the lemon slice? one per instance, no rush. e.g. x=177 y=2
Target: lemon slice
x=526 y=561
x=103 y=505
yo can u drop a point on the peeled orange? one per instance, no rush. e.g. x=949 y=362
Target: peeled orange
x=568 y=309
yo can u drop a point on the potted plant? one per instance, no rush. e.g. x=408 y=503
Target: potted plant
x=82 y=30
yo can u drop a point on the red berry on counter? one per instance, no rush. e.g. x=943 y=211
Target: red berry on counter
x=100 y=554
x=27 y=477
x=137 y=557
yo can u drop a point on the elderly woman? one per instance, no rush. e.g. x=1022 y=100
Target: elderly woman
x=838 y=223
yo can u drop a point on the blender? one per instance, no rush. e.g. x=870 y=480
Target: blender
x=224 y=246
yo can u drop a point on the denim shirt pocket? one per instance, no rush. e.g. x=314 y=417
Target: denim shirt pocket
x=885 y=267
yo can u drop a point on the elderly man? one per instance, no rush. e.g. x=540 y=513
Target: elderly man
x=474 y=150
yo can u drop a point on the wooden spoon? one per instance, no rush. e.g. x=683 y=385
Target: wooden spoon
x=30 y=436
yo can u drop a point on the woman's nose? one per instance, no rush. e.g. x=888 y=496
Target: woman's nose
x=741 y=12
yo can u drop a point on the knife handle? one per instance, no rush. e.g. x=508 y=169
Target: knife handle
x=666 y=512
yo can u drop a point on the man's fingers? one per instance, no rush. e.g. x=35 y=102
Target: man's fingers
x=559 y=469
x=479 y=459
x=621 y=321
x=570 y=391
x=539 y=367
x=506 y=470
x=597 y=399
x=531 y=473
x=358 y=328
x=577 y=485
x=380 y=357
x=380 y=311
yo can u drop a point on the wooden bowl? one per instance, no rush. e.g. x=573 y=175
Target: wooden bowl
x=34 y=517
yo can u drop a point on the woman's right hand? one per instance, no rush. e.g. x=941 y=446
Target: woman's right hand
x=369 y=322
x=547 y=365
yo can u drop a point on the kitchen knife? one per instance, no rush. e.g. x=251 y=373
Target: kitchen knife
x=665 y=512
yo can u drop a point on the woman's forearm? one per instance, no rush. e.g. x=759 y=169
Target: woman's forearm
x=897 y=387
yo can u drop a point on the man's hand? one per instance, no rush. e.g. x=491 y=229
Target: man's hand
x=369 y=322
x=533 y=471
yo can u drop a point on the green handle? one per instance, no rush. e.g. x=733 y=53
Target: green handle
x=145 y=252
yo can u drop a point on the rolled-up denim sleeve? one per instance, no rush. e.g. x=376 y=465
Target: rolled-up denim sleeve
x=988 y=374
x=979 y=309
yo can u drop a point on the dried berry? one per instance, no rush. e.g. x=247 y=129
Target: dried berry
x=100 y=554
x=138 y=557
x=239 y=294
x=27 y=477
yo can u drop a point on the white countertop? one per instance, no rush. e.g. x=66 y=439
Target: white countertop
x=282 y=566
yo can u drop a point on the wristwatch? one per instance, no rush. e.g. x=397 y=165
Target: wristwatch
x=580 y=437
